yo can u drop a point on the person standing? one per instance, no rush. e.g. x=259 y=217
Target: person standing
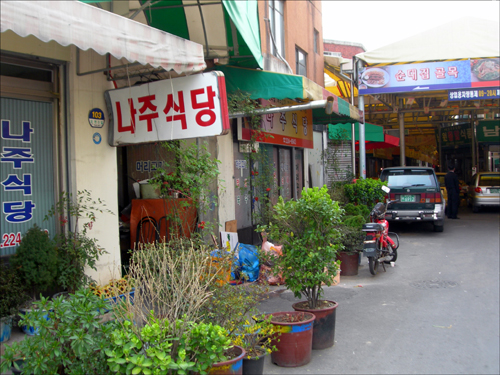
x=453 y=190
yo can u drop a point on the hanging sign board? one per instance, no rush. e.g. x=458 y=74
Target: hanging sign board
x=429 y=76
x=474 y=94
x=179 y=108
x=287 y=128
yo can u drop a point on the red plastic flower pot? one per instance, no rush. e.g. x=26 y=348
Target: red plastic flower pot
x=324 y=324
x=295 y=342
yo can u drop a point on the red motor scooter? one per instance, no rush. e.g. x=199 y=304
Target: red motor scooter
x=378 y=245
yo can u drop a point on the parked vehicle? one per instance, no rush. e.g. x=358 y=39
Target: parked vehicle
x=484 y=190
x=418 y=194
x=378 y=245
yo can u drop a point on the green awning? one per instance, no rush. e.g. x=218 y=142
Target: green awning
x=228 y=30
x=261 y=84
x=373 y=133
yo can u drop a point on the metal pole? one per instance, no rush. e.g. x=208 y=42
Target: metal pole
x=473 y=143
x=441 y=168
x=362 y=155
x=353 y=131
x=402 y=156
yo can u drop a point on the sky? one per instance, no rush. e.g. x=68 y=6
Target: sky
x=375 y=24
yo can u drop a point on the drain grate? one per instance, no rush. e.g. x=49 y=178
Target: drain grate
x=433 y=284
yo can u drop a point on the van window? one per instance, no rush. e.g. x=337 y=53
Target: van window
x=408 y=177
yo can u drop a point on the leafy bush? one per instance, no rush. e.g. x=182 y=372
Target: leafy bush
x=352 y=238
x=71 y=341
x=75 y=250
x=307 y=229
x=12 y=291
x=365 y=191
x=36 y=261
x=149 y=350
x=355 y=222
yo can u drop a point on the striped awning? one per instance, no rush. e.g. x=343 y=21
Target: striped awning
x=88 y=27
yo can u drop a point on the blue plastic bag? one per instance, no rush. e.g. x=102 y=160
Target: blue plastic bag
x=249 y=261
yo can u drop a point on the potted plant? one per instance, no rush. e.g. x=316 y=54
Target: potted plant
x=72 y=341
x=352 y=237
x=255 y=336
x=75 y=249
x=294 y=344
x=35 y=261
x=154 y=348
x=12 y=296
x=307 y=229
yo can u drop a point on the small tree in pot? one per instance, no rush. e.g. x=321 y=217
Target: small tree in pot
x=307 y=229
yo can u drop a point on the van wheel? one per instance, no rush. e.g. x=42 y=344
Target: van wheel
x=438 y=228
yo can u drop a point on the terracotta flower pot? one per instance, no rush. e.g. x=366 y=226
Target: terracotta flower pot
x=295 y=342
x=231 y=367
x=349 y=263
x=324 y=324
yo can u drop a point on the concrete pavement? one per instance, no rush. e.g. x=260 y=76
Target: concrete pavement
x=435 y=312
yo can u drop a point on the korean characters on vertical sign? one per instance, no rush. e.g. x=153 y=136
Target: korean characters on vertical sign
x=179 y=108
x=16 y=211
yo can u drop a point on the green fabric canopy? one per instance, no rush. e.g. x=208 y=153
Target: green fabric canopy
x=261 y=84
x=373 y=133
x=227 y=29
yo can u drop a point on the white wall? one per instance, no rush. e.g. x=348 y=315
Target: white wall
x=93 y=166
x=226 y=179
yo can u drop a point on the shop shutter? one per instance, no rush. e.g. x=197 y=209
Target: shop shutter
x=338 y=161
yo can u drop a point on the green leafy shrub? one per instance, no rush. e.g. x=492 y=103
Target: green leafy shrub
x=12 y=291
x=71 y=341
x=149 y=350
x=307 y=229
x=365 y=191
x=75 y=249
x=351 y=238
x=355 y=222
x=36 y=261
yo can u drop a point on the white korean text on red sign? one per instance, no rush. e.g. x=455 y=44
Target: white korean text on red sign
x=179 y=108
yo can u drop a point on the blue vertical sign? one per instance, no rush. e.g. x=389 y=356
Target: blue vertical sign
x=26 y=169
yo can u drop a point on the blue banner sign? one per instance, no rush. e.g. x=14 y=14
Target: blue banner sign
x=429 y=76
x=475 y=93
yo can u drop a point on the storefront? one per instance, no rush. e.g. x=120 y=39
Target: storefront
x=54 y=116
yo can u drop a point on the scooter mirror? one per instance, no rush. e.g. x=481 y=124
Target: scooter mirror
x=386 y=189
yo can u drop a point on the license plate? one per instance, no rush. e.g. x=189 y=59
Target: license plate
x=494 y=191
x=407 y=198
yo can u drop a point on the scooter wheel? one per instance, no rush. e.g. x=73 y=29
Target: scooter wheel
x=373 y=265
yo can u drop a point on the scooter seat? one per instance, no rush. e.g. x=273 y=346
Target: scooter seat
x=372 y=227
